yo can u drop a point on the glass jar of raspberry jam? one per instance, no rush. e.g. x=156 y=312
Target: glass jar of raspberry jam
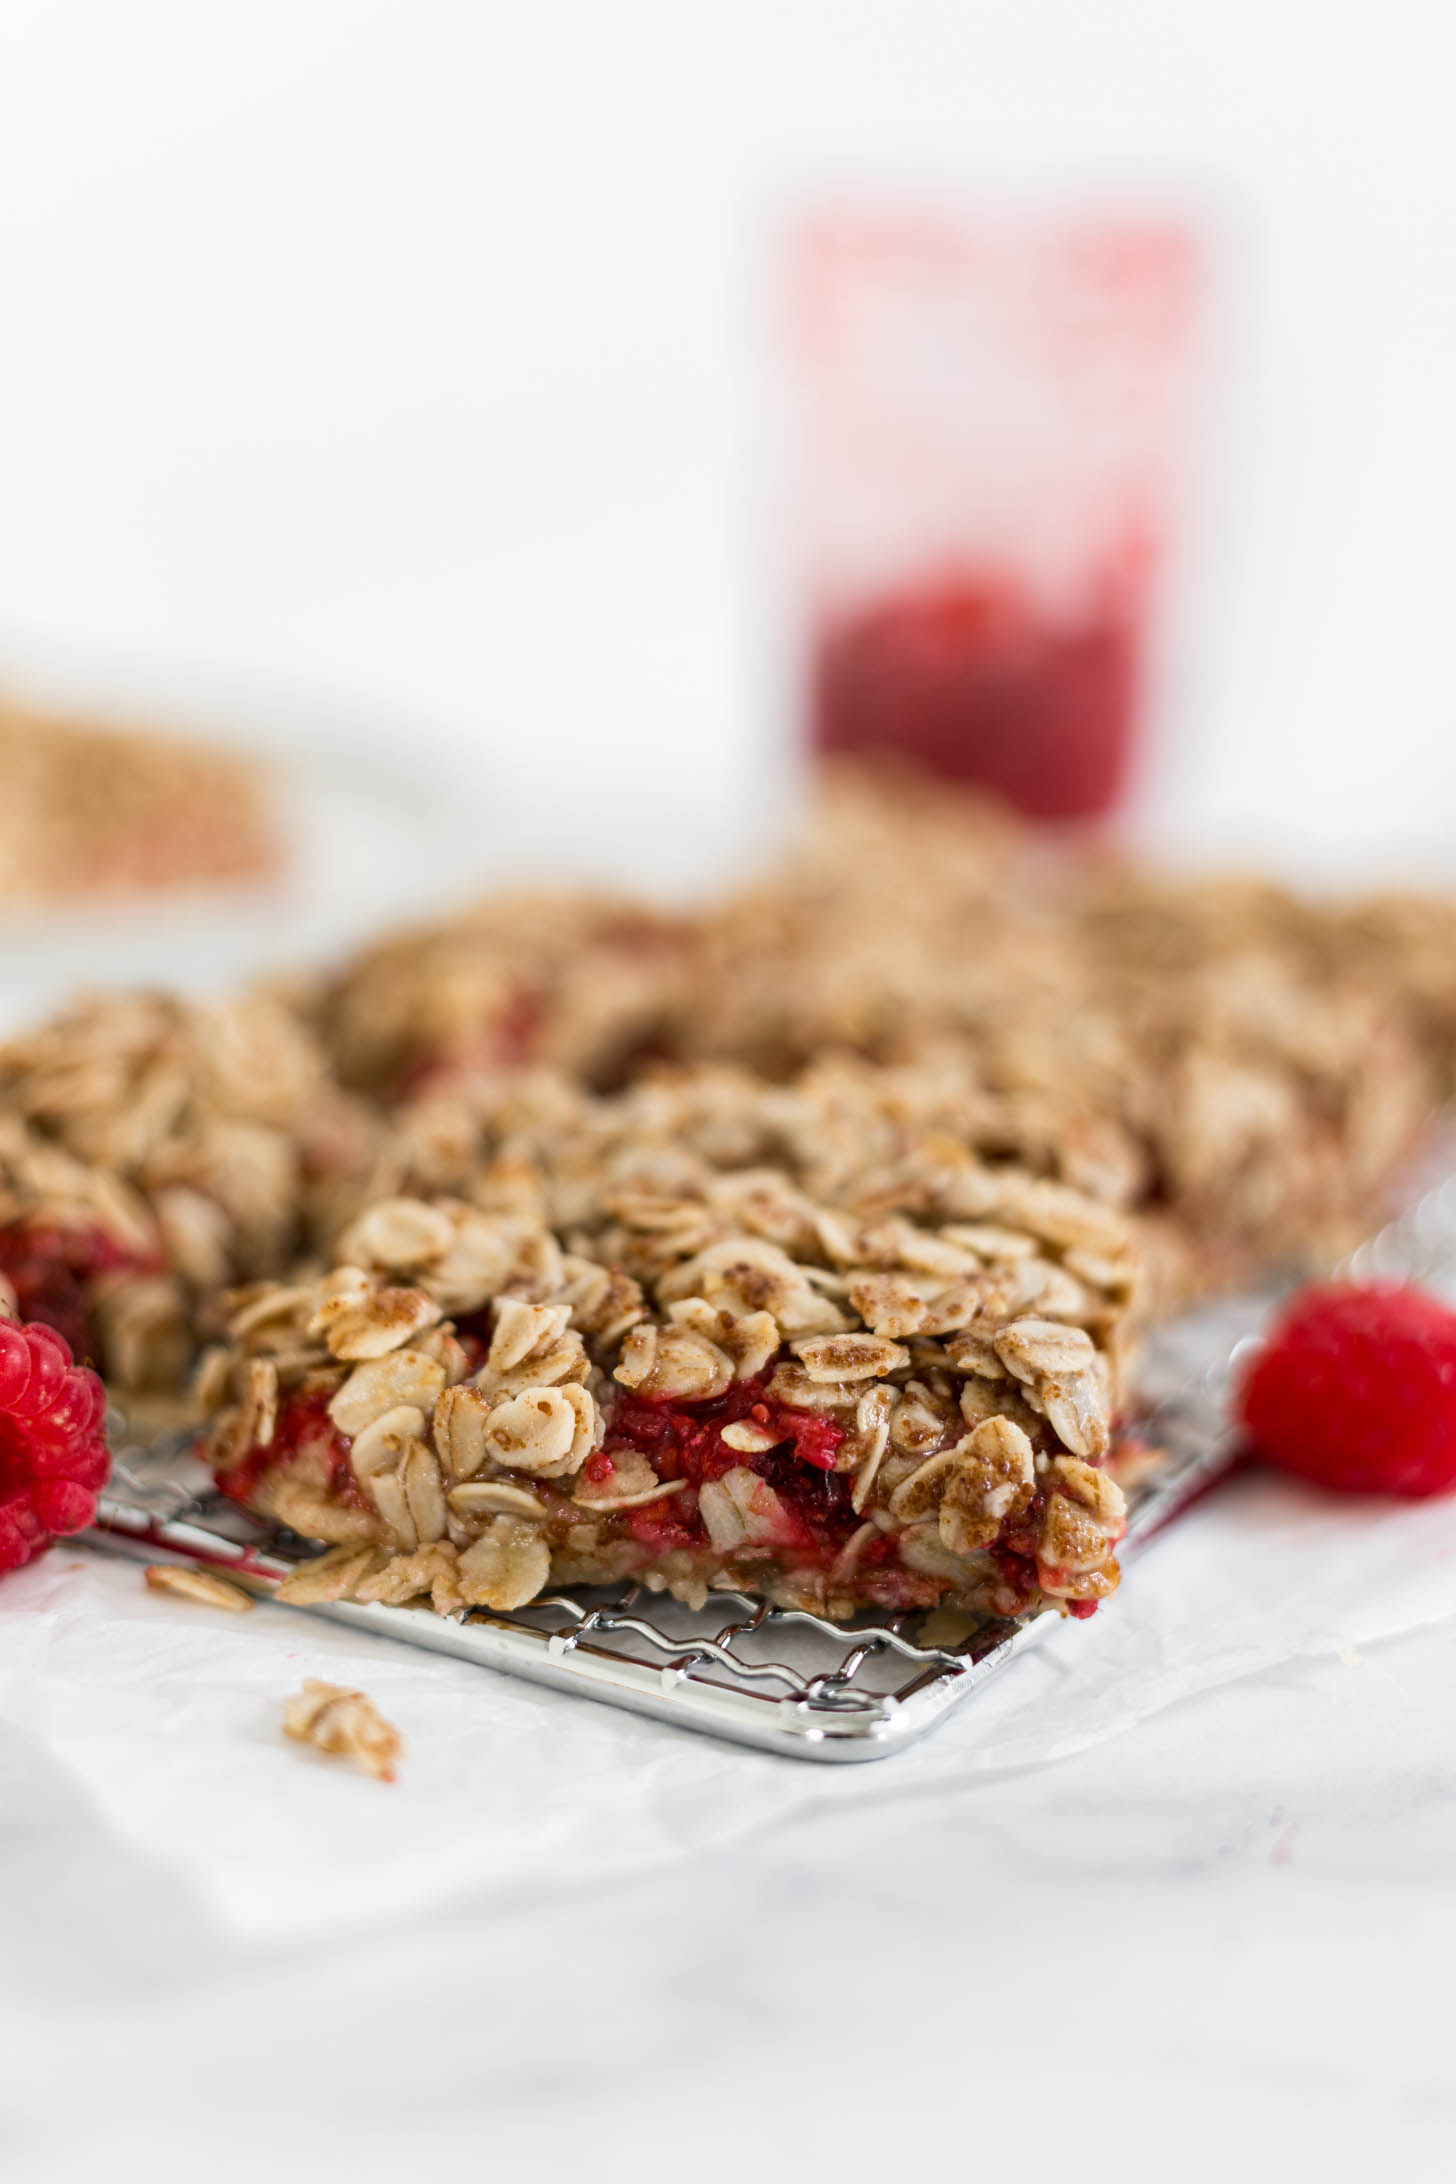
x=987 y=425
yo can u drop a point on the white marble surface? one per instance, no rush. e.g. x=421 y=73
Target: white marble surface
x=1217 y=1944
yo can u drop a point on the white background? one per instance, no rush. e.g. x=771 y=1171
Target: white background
x=395 y=370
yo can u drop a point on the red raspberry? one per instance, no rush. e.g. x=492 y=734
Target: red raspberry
x=53 y=1456
x=1356 y=1387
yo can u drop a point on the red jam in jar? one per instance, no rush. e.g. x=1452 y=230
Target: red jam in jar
x=963 y=674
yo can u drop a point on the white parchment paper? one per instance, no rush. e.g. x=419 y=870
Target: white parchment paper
x=164 y=1717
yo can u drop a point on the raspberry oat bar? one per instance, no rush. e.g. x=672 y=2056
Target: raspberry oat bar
x=579 y=982
x=1261 y=1063
x=1271 y=1059
x=731 y=1385
x=152 y=1151
x=81 y=1252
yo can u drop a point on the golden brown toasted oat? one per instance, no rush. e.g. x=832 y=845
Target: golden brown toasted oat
x=208 y=1590
x=345 y=1724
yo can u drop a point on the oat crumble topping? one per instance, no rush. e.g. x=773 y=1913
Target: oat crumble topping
x=699 y=1375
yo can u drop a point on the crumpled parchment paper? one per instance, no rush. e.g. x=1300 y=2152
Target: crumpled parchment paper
x=164 y=1718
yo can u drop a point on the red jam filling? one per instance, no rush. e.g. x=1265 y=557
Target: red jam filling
x=685 y=1441
x=506 y=1040
x=303 y=1427
x=1014 y=1555
x=51 y=1269
x=516 y=1029
x=966 y=676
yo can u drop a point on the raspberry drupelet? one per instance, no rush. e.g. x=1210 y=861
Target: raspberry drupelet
x=53 y=1455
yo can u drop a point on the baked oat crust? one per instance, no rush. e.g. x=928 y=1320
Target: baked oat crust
x=710 y=1376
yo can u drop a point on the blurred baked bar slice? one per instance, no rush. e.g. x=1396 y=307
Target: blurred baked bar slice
x=713 y=1381
x=91 y=809
x=586 y=983
x=1253 y=1068
x=1269 y=1061
x=846 y=939
x=82 y=1251
x=154 y=1151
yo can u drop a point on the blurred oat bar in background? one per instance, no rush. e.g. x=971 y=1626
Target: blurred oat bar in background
x=95 y=810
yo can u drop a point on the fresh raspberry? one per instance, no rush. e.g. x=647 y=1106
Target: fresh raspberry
x=53 y=1456
x=1356 y=1387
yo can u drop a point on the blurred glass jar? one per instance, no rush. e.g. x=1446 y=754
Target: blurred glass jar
x=987 y=425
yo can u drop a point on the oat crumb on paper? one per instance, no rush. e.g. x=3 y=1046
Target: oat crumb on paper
x=344 y=1723
x=199 y=1585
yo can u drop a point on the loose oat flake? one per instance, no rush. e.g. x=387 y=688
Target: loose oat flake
x=198 y=1585
x=345 y=1724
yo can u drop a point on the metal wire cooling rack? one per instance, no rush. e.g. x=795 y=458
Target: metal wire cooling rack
x=783 y=1680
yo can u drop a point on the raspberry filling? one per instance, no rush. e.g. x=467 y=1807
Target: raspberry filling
x=1014 y=1555
x=681 y=1441
x=507 y=1040
x=685 y=1441
x=811 y=1525
x=303 y=1428
x=51 y=1270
